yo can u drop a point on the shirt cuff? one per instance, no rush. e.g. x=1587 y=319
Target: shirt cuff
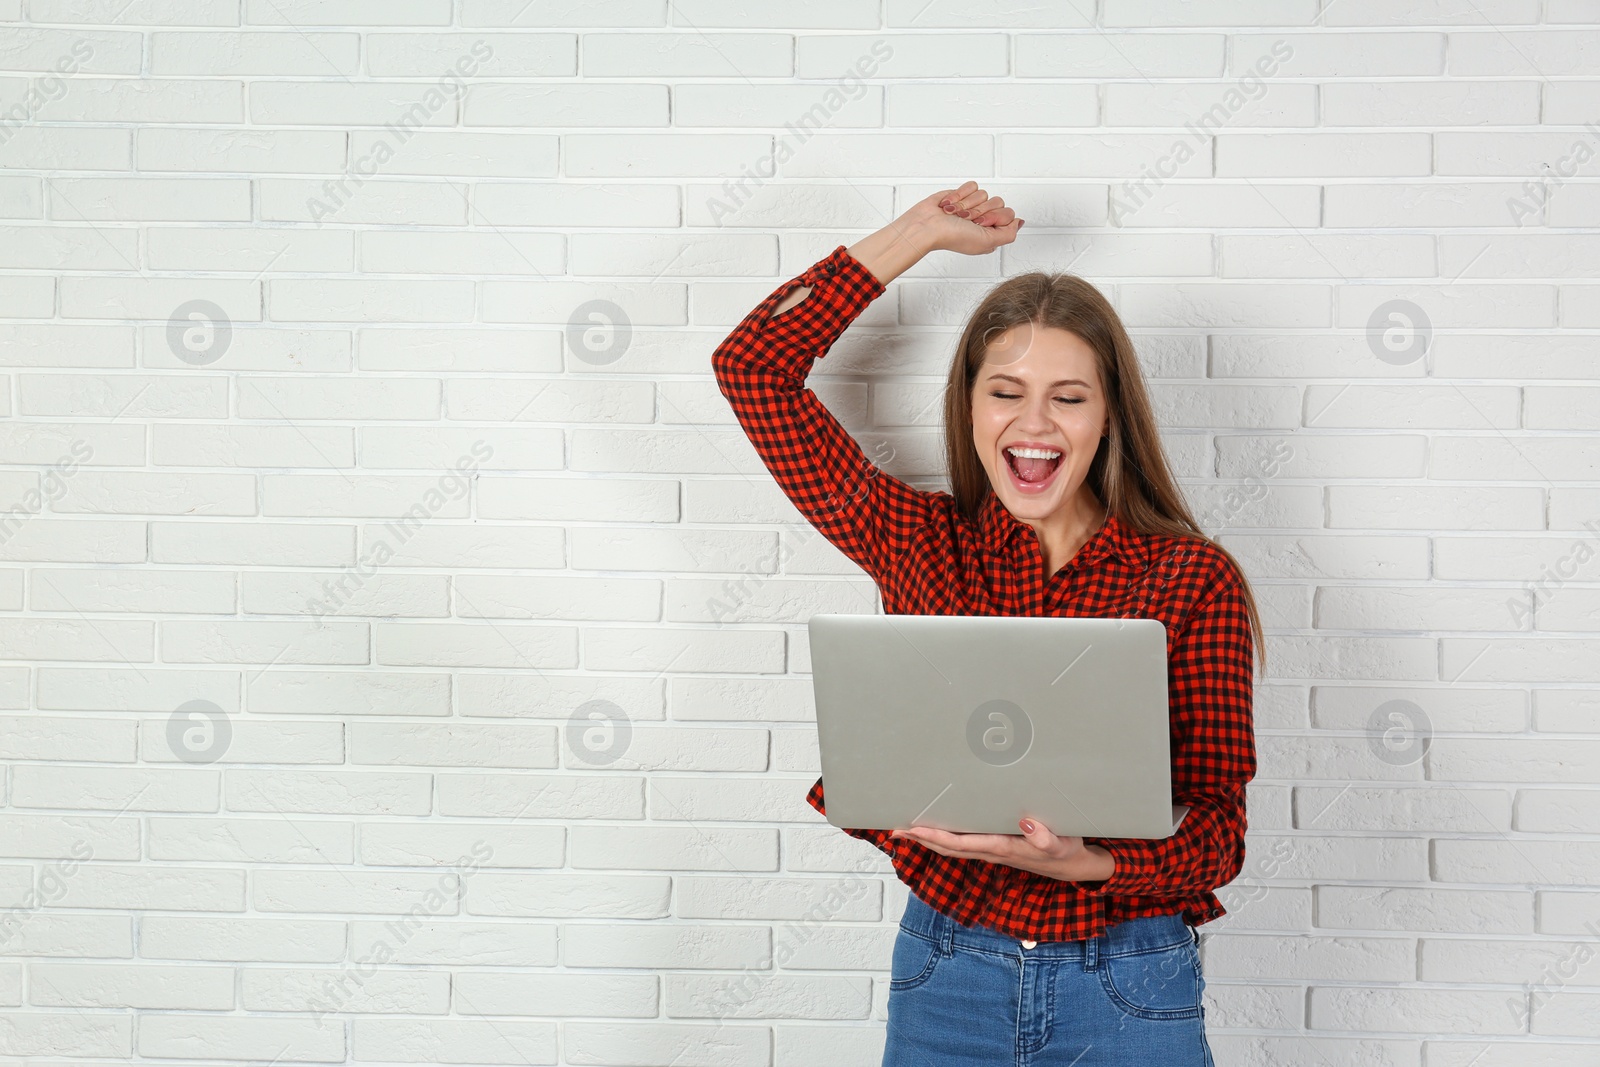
x=841 y=288
x=847 y=268
x=1135 y=872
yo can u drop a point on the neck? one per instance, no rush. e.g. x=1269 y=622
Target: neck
x=1067 y=529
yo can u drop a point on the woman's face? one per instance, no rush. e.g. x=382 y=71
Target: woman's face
x=1039 y=386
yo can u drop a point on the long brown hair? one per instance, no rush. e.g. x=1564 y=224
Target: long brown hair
x=1129 y=472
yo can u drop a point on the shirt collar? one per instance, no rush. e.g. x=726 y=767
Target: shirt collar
x=1114 y=538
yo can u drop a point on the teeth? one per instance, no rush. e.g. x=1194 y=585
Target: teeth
x=1033 y=453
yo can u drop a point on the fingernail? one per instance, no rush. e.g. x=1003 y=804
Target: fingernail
x=1020 y=224
x=962 y=213
x=1027 y=826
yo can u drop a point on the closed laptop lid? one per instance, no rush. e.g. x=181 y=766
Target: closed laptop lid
x=970 y=723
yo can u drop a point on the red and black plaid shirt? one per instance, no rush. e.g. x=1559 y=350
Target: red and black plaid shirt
x=926 y=560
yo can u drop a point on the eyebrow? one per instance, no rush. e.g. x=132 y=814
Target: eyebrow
x=1052 y=385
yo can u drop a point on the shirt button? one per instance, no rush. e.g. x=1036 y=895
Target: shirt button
x=1030 y=944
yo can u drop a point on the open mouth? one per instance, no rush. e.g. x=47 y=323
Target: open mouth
x=1032 y=469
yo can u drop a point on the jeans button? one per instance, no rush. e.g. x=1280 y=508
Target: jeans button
x=1030 y=944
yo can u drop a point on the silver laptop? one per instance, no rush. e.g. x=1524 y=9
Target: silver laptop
x=968 y=723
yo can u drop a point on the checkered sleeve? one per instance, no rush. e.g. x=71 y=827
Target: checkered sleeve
x=1213 y=757
x=761 y=369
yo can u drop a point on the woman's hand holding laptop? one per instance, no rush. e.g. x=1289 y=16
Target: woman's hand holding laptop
x=1037 y=850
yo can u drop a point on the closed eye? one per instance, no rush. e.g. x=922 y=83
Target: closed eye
x=1013 y=396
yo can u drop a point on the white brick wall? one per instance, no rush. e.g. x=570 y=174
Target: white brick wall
x=286 y=776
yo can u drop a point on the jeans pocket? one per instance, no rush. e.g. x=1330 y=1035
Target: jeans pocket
x=912 y=962
x=1162 y=983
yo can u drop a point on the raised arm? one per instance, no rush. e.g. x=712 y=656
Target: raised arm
x=761 y=368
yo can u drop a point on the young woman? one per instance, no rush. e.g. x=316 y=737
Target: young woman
x=1026 y=948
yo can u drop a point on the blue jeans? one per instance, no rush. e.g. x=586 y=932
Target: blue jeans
x=972 y=995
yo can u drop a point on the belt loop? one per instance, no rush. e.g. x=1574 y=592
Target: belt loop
x=1091 y=954
x=947 y=935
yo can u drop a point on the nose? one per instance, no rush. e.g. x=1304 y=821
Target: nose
x=1035 y=417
